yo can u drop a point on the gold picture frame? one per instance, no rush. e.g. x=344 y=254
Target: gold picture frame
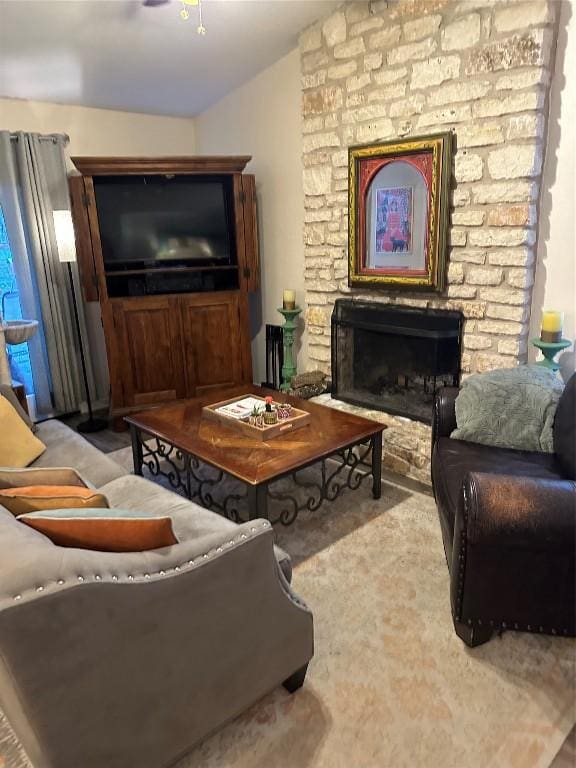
x=399 y=213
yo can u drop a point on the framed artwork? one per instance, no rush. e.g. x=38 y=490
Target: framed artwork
x=399 y=212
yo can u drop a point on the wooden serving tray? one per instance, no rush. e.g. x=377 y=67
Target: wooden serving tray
x=267 y=432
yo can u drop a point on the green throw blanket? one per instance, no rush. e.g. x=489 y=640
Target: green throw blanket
x=509 y=408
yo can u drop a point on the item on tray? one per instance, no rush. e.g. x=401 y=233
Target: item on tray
x=270 y=415
x=284 y=410
x=241 y=409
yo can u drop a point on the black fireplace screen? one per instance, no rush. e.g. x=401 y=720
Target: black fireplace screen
x=394 y=358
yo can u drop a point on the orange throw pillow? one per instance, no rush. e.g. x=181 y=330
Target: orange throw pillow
x=105 y=530
x=33 y=498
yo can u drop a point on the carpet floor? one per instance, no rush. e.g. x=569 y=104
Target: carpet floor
x=390 y=685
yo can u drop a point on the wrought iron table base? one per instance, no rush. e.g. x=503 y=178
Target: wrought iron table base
x=184 y=474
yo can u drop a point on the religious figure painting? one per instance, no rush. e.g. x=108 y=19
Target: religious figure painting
x=398 y=212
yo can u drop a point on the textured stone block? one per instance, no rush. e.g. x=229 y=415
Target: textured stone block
x=387 y=92
x=350 y=49
x=319 y=140
x=420 y=28
x=520 y=278
x=512 y=215
x=340 y=159
x=455 y=273
x=504 y=192
x=357 y=82
x=334 y=29
x=434 y=71
x=463 y=33
x=512 y=346
x=460 y=197
x=468 y=255
x=311 y=39
x=412 y=52
x=468 y=218
x=313 y=61
x=481 y=134
x=462 y=292
x=468 y=167
x=340 y=71
x=505 y=236
x=314 y=80
x=475 y=341
x=372 y=61
x=356 y=99
x=512 y=328
x=515 y=313
x=458 y=113
x=484 y=275
x=524 y=79
x=312 y=124
x=468 y=90
x=313 y=235
x=317 y=181
x=511 y=257
x=374 y=130
x=525 y=127
x=457 y=236
x=384 y=39
x=357 y=11
x=515 y=160
x=523 y=101
x=412 y=105
x=362 y=114
x=313 y=216
x=522 y=15
x=368 y=25
x=323 y=100
x=528 y=50
x=390 y=75
x=487 y=362
x=501 y=295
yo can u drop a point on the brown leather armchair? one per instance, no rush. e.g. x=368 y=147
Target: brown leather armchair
x=508 y=522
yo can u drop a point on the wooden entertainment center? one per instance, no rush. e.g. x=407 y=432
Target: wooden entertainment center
x=172 y=332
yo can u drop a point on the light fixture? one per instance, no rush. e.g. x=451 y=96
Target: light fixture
x=64 y=230
x=185 y=14
x=66 y=246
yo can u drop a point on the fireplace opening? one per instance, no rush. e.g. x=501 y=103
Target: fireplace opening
x=393 y=358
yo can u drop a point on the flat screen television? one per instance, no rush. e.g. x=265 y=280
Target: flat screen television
x=164 y=221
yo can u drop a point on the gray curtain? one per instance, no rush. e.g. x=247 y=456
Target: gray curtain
x=33 y=183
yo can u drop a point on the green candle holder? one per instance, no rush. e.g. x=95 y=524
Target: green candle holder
x=550 y=349
x=289 y=368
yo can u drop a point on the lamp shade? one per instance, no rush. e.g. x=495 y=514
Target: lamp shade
x=64 y=235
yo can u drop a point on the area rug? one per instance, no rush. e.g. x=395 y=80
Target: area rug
x=390 y=685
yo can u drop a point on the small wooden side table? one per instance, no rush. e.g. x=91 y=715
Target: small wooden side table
x=20 y=392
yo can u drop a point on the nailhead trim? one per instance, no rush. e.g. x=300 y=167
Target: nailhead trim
x=177 y=568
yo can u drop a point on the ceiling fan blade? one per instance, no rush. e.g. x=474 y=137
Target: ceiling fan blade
x=154 y=3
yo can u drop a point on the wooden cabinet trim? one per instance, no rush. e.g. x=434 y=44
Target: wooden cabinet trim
x=111 y=166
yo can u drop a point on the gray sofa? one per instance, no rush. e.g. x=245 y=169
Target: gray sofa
x=122 y=660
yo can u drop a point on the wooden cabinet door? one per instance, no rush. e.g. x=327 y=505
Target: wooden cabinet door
x=148 y=350
x=212 y=332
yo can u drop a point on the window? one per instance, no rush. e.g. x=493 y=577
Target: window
x=18 y=355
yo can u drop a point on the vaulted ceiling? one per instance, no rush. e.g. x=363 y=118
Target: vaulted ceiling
x=124 y=54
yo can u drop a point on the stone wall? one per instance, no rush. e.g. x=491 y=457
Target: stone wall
x=393 y=68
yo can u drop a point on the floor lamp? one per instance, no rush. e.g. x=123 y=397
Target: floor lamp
x=67 y=254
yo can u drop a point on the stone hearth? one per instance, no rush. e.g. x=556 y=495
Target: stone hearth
x=393 y=68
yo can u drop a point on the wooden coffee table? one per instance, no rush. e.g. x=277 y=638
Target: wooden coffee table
x=172 y=441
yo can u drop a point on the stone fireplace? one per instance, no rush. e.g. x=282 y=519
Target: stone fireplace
x=392 y=358
x=379 y=70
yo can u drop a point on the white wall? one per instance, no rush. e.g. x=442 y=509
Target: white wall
x=101 y=132
x=555 y=281
x=262 y=119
